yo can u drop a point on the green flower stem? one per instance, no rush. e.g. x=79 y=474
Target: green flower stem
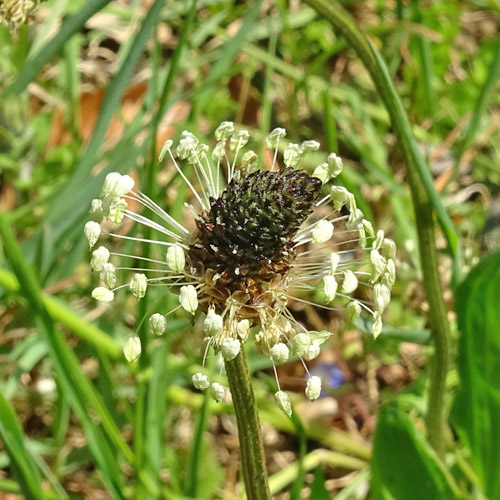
x=425 y=200
x=253 y=459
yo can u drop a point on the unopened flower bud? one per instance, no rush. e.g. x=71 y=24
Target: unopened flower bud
x=279 y=353
x=200 y=381
x=353 y=311
x=312 y=352
x=188 y=298
x=313 y=388
x=139 y=285
x=243 y=329
x=217 y=391
x=350 y=282
x=230 y=348
x=157 y=324
x=330 y=287
x=355 y=216
x=381 y=296
x=274 y=137
x=322 y=231
x=92 y=232
x=102 y=294
x=99 y=258
x=300 y=343
x=213 y=323
x=132 y=348
x=284 y=403
x=176 y=258
x=377 y=325
x=108 y=276
x=335 y=165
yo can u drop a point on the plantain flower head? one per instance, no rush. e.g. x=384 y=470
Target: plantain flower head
x=261 y=240
x=13 y=13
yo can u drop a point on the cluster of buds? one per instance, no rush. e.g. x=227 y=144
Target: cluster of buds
x=262 y=239
x=13 y=13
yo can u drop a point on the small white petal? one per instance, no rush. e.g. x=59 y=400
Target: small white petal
x=116 y=184
x=330 y=287
x=132 y=348
x=218 y=392
x=116 y=210
x=300 y=344
x=200 y=381
x=350 y=282
x=335 y=164
x=108 y=276
x=284 y=403
x=138 y=285
x=176 y=258
x=292 y=155
x=188 y=298
x=381 y=296
x=102 y=294
x=321 y=172
x=389 y=277
x=274 y=137
x=213 y=323
x=99 y=258
x=353 y=311
x=157 y=324
x=96 y=210
x=312 y=352
x=379 y=240
x=167 y=145
x=311 y=145
x=279 y=353
x=224 y=131
x=249 y=160
x=313 y=388
x=377 y=325
x=340 y=196
x=230 y=348
x=379 y=264
x=243 y=329
x=239 y=140
x=389 y=249
x=334 y=262
x=322 y=231
x=92 y=231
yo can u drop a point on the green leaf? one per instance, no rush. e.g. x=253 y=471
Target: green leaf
x=476 y=411
x=318 y=488
x=403 y=463
x=13 y=439
x=70 y=26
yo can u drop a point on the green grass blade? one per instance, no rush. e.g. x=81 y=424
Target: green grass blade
x=62 y=313
x=111 y=101
x=26 y=471
x=228 y=53
x=75 y=385
x=71 y=26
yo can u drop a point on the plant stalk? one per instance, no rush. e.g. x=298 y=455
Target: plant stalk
x=253 y=459
x=426 y=202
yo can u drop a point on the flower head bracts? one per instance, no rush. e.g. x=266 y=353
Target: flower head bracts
x=262 y=238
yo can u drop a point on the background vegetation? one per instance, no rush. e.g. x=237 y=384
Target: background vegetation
x=93 y=87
